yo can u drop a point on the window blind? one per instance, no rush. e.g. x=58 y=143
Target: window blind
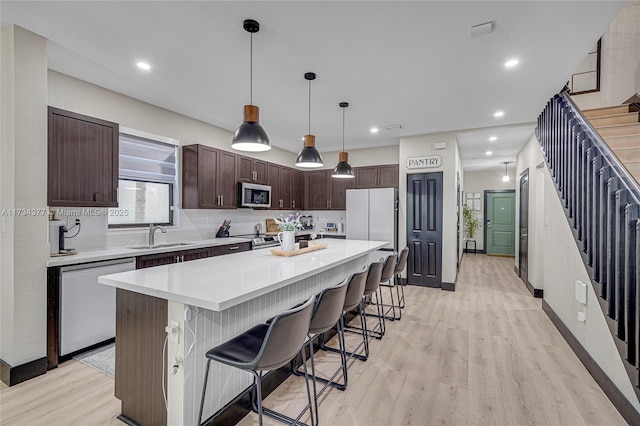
x=147 y=160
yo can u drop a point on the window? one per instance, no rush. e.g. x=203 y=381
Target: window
x=147 y=181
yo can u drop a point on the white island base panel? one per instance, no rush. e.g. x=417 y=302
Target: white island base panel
x=212 y=328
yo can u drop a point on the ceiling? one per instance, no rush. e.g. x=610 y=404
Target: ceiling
x=411 y=63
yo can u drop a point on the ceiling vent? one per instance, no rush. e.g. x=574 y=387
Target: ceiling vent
x=394 y=127
x=481 y=30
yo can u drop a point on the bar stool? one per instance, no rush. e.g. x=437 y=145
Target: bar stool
x=400 y=267
x=388 y=280
x=371 y=289
x=266 y=347
x=327 y=313
x=353 y=299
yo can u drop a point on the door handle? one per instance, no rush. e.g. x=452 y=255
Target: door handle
x=293 y=202
x=234 y=248
x=222 y=198
x=488 y=223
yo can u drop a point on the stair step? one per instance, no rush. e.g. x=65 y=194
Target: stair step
x=634 y=170
x=603 y=112
x=621 y=142
x=619 y=130
x=612 y=120
x=628 y=155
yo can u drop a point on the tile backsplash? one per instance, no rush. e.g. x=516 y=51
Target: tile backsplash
x=192 y=225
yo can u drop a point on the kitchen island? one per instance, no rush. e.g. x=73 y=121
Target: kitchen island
x=210 y=300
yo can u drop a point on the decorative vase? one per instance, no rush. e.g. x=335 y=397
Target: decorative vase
x=287 y=240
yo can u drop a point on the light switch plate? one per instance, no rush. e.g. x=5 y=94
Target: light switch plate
x=581 y=292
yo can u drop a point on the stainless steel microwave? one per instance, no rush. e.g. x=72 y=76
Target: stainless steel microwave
x=252 y=195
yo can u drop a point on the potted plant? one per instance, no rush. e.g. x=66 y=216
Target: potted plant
x=288 y=227
x=471 y=222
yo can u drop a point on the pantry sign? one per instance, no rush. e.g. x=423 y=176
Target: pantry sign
x=424 y=162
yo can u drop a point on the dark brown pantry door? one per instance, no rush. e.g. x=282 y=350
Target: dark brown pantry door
x=523 y=254
x=424 y=229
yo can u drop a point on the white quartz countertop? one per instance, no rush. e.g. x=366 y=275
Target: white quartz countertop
x=218 y=283
x=123 y=252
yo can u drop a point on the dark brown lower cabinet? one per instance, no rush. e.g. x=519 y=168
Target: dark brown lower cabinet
x=140 y=322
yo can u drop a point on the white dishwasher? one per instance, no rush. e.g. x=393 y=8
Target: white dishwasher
x=87 y=308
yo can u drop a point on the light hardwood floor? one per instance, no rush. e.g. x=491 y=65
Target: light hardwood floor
x=485 y=354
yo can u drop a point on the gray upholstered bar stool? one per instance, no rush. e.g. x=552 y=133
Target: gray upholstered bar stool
x=353 y=299
x=327 y=313
x=400 y=267
x=266 y=347
x=388 y=280
x=372 y=285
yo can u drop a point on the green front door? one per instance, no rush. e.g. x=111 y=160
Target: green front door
x=500 y=222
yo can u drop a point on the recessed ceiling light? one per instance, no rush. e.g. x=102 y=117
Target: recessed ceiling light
x=498 y=114
x=374 y=130
x=143 y=66
x=493 y=138
x=511 y=63
x=488 y=152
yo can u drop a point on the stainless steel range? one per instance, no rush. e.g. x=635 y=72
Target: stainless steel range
x=258 y=243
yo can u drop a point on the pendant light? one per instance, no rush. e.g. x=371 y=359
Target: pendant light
x=309 y=157
x=505 y=178
x=250 y=136
x=343 y=169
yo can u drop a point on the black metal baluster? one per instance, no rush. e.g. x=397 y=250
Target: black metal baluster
x=587 y=242
x=593 y=259
x=601 y=270
x=630 y=255
x=621 y=204
x=612 y=187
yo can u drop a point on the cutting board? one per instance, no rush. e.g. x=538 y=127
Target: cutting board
x=272 y=227
x=298 y=250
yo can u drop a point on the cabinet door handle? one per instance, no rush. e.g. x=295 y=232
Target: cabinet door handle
x=182 y=258
x=222 y=200
x=234 y=248
x=281 y=204
x=294 y=203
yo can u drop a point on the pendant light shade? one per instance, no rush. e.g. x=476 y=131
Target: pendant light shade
x=309 y=157
x=505 y=178
x=343 y=169
x=250 y=136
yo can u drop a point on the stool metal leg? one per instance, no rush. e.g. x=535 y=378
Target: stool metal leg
x=204 y=389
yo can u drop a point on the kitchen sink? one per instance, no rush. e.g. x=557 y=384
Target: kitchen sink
x=160 y=246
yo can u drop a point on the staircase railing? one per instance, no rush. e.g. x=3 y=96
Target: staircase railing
x=602 y=203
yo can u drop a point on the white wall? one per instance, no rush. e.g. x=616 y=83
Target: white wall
x=422 y=145
x=620 y=61
x=562 y=267
x=23 y=159
x=480 y=181
x=530 y=157
x=364 y=157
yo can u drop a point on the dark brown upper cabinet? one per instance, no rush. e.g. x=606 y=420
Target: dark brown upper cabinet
x=286 y=187
x=338 y=200
x=326 y=193
x=273 y=180
x=385 y=176
x=317 y=190
x=252 y=170
x=208 y=178
x=297 y=190
x=82 y=160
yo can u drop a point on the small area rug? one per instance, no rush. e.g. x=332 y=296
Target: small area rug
x=102 y=359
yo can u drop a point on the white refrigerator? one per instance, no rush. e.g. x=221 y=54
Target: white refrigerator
x=372 y=214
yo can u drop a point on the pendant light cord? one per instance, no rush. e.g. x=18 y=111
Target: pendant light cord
x=309 y=107
x=251 y=72
x=342 y=129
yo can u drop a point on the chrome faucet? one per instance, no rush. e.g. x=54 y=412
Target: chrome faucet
x=152 y=232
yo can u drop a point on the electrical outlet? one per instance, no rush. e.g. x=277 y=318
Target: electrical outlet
x=72 y=220
x=173 y=331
